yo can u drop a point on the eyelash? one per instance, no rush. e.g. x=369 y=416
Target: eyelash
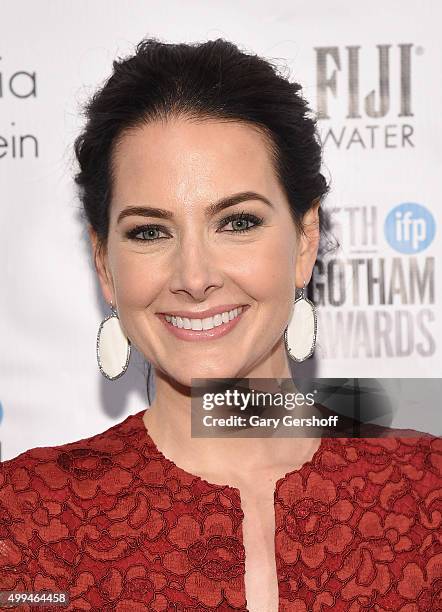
x=131 y=234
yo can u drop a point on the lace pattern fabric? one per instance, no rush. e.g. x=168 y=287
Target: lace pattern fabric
x=117 y=525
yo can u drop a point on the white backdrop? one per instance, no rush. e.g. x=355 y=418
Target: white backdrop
x=372 y=73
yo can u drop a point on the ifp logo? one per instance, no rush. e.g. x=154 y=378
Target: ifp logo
x=409 y=228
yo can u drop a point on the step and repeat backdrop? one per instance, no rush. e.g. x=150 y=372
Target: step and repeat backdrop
x=371 y=73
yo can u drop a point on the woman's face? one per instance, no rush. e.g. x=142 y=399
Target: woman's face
x=196 y=259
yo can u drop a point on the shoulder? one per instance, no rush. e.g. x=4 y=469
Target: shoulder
x=367 y=445
x=397 y=443
x=46 y=491
x=413 y=457
x=99 y=444
x=41 y=484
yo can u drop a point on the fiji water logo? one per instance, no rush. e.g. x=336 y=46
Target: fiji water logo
x=409 y=228
x=1 y=412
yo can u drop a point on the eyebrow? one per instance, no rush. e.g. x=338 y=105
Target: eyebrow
x=212 y=209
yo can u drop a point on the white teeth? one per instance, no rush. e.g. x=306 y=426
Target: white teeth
x=207 y=323
x=217 y=320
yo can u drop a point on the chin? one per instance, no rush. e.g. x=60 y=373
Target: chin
x=185 y=378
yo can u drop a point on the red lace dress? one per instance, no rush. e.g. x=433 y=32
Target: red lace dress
x=120 y=527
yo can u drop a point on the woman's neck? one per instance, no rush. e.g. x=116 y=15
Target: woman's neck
x=225 y=460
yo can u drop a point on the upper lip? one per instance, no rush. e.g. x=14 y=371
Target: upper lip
x=202 y=314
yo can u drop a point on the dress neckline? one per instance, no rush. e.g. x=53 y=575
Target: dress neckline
x=138 y=419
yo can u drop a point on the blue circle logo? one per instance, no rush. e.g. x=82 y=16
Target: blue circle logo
x=409 y=228
x=1 y=412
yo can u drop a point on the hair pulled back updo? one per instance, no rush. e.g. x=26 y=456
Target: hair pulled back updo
x=210 y=80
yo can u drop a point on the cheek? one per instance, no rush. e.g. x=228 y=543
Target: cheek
x=274 y=283
x=136 y=281
x=271 y=271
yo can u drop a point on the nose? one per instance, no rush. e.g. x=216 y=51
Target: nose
x=196 y=270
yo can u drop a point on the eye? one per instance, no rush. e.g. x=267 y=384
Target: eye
x=149 y=233
x=240 y=222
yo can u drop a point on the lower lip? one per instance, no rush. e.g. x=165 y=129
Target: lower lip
x=194 y=335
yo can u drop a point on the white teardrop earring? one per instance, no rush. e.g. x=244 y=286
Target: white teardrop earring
x=300 y=337
x=113 y=348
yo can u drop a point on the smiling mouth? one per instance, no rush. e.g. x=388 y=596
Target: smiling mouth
x=206 y=323
x=216 y=326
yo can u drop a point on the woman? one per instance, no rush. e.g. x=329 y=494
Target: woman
x=182 y=144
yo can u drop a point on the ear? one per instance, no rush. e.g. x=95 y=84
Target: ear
x=99 y=254
x=308 y=246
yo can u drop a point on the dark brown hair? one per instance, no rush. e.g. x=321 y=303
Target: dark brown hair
x=214 y=79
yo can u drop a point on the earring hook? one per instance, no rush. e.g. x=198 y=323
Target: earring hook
x=303 y=290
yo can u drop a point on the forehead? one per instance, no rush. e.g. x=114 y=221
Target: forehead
x=180 y=161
